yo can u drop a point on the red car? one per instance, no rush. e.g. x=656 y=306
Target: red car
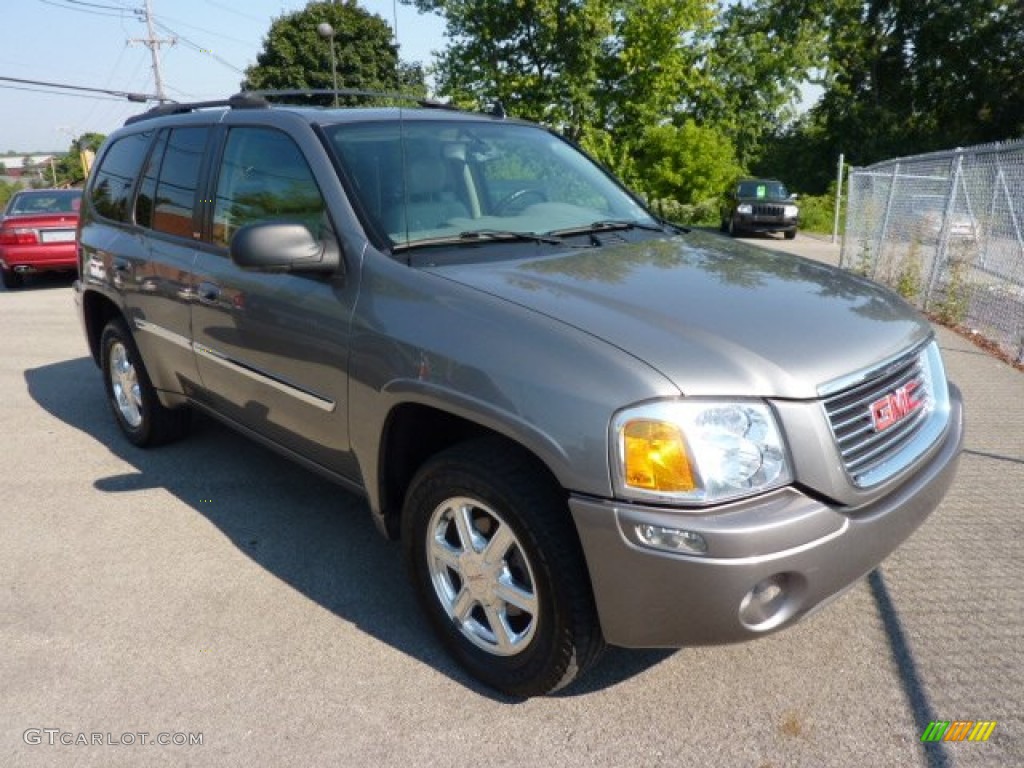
x=37 y=233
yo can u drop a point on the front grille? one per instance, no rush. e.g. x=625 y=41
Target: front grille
x=761 y=209
x=861 y=447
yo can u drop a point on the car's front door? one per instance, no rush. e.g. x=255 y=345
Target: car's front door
x=272 y=348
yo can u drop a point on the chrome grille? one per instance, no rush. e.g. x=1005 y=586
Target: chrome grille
x=849 y=413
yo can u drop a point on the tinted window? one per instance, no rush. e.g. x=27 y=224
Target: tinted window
x=111 y=190
x=263 y=177
x=147 y=189
x=179 y=177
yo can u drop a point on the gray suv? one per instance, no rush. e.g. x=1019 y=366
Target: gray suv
x=586 y=426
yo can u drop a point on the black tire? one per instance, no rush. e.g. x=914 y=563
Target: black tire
x=138 y=411
x=11 y=279
x=734 y=231
x=790 y=234
x=503 y=491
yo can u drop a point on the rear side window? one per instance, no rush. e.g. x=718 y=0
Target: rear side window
x=167 y=197
x=111 y=190
x=265 y=177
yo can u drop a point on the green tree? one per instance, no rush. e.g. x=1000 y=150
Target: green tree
x=68 y=167
x=295 y=56
x=762 y=51
x=908 y=77
x=690 y=164
x=7 y=189
x=539 y=58
x=653 y=64
x=605 y=72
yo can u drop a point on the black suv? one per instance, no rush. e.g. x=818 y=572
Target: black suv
x=759 y=205
x=585 y=425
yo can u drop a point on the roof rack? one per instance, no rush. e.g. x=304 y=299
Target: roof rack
x=263 y=99
x=368 y=93
x=243 y=100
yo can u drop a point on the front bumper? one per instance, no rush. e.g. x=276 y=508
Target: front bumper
x=809 y=550
x=755 y=223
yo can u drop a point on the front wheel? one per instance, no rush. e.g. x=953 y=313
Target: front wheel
x=499 y=570
x=141 y=416
x=790 y=234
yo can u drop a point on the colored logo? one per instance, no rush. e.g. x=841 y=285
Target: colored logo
x=895 y=406
x=958 y=730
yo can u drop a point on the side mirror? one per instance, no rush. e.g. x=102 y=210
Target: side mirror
x=793 y=196
x=282 y=246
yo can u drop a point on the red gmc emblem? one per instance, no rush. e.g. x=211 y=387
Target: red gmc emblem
x=895 y=406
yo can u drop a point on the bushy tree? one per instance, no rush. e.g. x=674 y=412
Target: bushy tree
x=295 y=56
x=7 y=190
x=909 y=77
x=539 y=58
x=604 y=72
x=762 y=52
x=690 y=164
x=69 y=167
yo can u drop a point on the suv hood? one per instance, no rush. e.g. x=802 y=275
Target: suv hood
x=714 y=316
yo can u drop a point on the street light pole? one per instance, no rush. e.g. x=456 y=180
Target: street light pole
x=326 y=31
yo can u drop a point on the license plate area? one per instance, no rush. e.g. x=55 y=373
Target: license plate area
x=57 y=235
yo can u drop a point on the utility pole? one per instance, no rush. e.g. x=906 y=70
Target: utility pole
x=153 y=42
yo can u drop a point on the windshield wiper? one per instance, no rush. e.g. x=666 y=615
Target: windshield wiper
x=509 y=234
x=606 y=225
x=476 y=235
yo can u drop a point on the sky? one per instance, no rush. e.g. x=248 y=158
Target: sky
x=84 y=42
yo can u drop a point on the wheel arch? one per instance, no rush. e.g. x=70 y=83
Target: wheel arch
x=97 y=311
x=415 y=432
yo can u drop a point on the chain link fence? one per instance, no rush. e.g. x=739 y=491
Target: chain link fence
x=946 y=230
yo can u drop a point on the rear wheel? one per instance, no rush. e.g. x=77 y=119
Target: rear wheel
x=11 y=279
x=139 y=413
x=499 y=570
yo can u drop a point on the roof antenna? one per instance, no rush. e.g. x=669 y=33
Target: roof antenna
x=498 y=110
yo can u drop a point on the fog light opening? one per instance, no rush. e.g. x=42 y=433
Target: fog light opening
x=672 y=539
x=771 y=602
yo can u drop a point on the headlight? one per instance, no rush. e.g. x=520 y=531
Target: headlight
x=745 y=208
x=790 y=211
x=697 y=451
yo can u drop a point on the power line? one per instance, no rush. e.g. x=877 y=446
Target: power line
x=120 y=12
x=97 y=5
x=196 y=47
x=137 y=97
x=237 y=13
x=57 y=93
x=179 y=22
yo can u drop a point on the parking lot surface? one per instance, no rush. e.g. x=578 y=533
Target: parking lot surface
x=211 y=591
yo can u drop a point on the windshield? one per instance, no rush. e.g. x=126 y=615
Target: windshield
x=774 y=190
x=430 y=180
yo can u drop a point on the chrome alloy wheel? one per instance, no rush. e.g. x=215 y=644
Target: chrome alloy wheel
x=481 y=576
x=124 y=383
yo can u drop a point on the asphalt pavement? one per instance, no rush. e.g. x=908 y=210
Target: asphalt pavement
x=210 y=591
